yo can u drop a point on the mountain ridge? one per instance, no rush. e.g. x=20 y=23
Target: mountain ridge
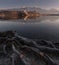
x=37 y=9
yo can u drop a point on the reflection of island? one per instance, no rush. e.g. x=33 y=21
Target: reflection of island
x=48 y=18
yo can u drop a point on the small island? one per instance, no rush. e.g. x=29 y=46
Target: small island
x=24 y=13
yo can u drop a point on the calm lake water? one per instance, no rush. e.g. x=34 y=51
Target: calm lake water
x=46 y=28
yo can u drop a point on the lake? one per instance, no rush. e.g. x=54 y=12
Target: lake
x=44 y=27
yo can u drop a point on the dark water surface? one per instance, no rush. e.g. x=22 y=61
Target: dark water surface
x=46 y=28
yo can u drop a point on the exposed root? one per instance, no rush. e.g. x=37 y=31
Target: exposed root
x=13 y=46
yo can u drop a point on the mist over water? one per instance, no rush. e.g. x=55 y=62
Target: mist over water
x=46 y=28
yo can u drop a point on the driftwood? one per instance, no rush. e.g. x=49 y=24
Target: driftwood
x=13 y=46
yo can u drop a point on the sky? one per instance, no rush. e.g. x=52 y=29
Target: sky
x=46 y=4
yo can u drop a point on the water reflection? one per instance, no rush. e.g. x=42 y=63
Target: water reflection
x=31 y=19
x=46 y=28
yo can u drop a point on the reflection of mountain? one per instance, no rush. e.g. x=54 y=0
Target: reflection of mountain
x=34 y=19
x=44 y=19
x=49 y=18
